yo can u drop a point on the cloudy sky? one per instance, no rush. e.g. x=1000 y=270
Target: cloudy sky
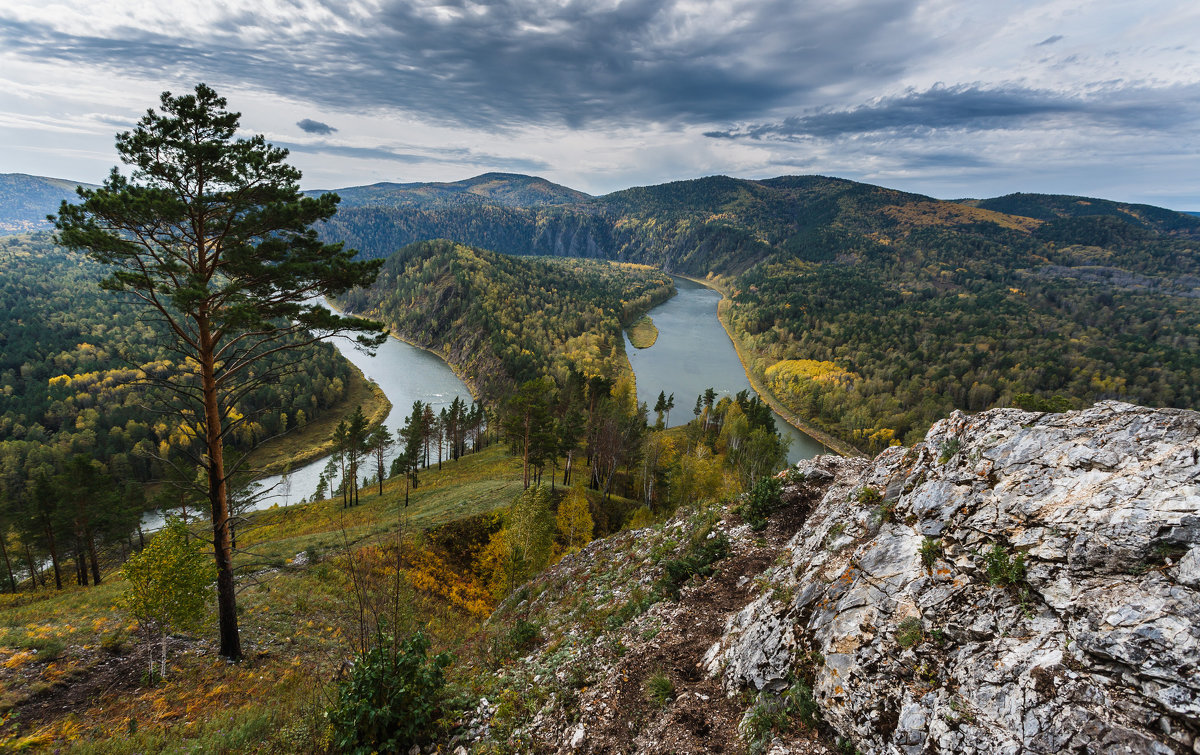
x=951 y=98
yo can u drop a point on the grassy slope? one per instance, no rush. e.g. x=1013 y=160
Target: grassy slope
x=296 y=628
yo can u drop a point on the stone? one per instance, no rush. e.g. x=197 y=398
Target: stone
x=1090 y=641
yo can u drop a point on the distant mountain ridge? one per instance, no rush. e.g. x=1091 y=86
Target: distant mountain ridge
x=26 y=200
x=501 y=189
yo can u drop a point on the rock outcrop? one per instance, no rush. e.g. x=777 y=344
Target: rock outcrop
x=1019 y=582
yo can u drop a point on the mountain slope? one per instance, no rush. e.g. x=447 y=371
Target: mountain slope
x=1052 y=206
x=1017 y=582
x=26 y=200
x=501 y=189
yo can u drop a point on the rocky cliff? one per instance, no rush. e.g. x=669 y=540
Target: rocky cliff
x=1019 y=582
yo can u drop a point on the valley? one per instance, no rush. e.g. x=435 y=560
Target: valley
x=864 y=314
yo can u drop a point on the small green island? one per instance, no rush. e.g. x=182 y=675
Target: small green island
x=642 y=333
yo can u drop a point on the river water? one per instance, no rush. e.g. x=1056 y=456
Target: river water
x=692 y=353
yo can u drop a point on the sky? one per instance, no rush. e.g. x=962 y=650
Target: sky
x=951 y=98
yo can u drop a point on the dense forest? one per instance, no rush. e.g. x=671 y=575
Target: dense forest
x=506 y=320
x=80 y=378
x=874 y=312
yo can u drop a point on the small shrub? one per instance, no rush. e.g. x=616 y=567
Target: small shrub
x=660 y=689
x=931 y=551
x=910 y=632
x=522 y=636
x=949 y=448
x=869 y=497
x=698 y=561
x=391 y=696
x=773 y=715
x=804 y=705
x=1004 y=570
x=762 y=501
x=885 y=512
x=114 y=643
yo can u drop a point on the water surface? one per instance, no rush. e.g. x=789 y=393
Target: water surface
x=693 y=352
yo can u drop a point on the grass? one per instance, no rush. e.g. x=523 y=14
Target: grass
x=643 y=333
x=659 y=689
x=312 y=441
x=297 y=625
x=910 y=632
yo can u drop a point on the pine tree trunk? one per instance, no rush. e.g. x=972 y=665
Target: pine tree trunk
x=33 y=575
x=218 y=497
x=8 y=566
x=54 y=558
x=91 y=545
x=525 y=456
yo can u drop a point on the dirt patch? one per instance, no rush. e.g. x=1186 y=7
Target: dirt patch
x=99 y=676
x=698 y=718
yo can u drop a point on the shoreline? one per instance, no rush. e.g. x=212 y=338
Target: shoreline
x=312 y=452
x=836 y=445
x=458 y=372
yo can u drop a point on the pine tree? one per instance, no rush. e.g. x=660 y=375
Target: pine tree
x=213 y=236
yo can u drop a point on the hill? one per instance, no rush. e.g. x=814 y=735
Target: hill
x=26 y=200
x=874 y=312
x=869 y=311
x=73 y=363
x=1056 y=206
x=503 y=320
x=1015 y=582
x=501 y=189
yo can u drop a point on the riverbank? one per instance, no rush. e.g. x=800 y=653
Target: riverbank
x=835 y=444
x=456 y=369
x=310 y=442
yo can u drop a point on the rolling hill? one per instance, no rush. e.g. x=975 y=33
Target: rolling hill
x=26 y=200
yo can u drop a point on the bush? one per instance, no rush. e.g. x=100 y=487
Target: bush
x=773 y=715
x=698 y=561
x=390 y=697
x=910 y=632
x=516 y=641
x=659 y=689
x=762 y=501
x=931 y=551
x=1003 y=570
x=949 y=448
x=869 y=497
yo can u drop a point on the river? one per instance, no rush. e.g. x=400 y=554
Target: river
x=405 y=374
x=693 y=352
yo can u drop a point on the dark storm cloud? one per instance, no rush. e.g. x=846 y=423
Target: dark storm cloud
x=424 y=155
x=518 y=62
x=315 y=127
x=979 y=108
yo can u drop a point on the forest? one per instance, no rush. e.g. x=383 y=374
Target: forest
x=505 y=320
x=80 y=384
x=873 y=312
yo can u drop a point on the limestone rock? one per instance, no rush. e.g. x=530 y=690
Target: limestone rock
x=1027 y=583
